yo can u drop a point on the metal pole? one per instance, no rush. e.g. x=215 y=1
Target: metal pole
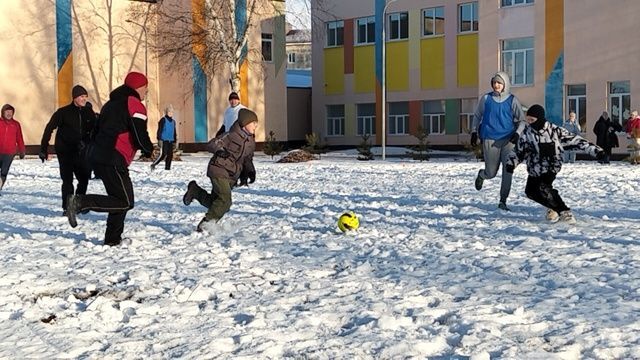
x=383 y=81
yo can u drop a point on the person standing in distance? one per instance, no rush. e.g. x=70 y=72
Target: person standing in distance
x=498 y=122
x=167 y=136
x=74 y=123
x=11 y=141
x=231 y=114
x=121 y=133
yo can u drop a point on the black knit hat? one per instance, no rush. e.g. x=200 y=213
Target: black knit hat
x=234 y=95
x=78 y=90
x=536 y=111
x=246 y=116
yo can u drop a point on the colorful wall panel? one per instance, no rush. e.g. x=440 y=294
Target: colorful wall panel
x=333 y=71
x=452 y=116
x=397 y=66
x=350 y=123
x=554 y=59
x=364 y=67
x=467 y=60
x=199 y=76
x=432 y=63
x=64 y=42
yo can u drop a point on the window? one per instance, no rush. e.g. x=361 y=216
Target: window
x=467 y=109
x=366 y=30
x=433 y=21
x=505 y=3
x=267 y=47
x=577 y=102
x=366 y=119
x=468 y=17
x=399 y=26
x=620 y=101
x=291 y=58
x=335 y=33
x=433 y=116
x=399 y=118
x=335 y=120
x=517 y=60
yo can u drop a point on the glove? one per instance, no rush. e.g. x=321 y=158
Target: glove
x=22 y=155
x=474 y=138
x=222 y=153
x=43 y=155
x=514 y=138
x=510 y=168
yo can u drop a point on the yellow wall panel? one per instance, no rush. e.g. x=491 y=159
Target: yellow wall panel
x=364 y=69
x=432 y=63
x=334 y=70
x=398 y=66
x=467 y=59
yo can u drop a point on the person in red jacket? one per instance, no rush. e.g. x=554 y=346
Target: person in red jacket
x=121 y=132
x=11 y=141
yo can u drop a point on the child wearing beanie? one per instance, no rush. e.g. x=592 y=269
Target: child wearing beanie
x=541 y=146
x=230 y=166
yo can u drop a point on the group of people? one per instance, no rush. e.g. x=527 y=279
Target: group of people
x=106 y=144
x=510 y=137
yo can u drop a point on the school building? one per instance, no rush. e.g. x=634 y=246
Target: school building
x=51 y=45
x=567 y=55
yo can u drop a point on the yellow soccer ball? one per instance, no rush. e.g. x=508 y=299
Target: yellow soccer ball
x=348 y=221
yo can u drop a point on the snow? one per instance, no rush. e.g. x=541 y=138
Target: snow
x=435 y=270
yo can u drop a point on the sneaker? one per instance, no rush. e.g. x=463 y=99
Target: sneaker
x=503 y=206
x=567 y=217
x=479 y=181
x=192 y=189
x=552 y=215
x=73 y=204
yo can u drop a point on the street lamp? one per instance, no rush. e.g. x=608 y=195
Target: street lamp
x=383 y=81
x=146 y=58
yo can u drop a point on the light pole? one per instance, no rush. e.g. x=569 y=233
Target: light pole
x=383 y=81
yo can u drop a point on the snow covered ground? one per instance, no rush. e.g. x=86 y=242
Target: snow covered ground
x=435 y=271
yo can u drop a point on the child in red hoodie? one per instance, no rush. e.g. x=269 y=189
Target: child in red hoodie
x=11 y=141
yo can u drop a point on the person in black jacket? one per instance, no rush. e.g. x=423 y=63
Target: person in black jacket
x=121 y=133
x=605 y=130
x=74 y=123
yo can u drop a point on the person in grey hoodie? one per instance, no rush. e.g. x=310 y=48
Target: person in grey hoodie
x=571 y=125
x=498 y=122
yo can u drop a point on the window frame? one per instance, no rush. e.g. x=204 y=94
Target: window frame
x=370 y=29
x=528 y=79
x=620 y=96
x=332 y=121
x=434 y=21
x=364 y=121
x=474 y=17
x=291 y=58
x=576 y=102
x=267 y=38
x=390 y=24
x=512 y=3
x=337 y=37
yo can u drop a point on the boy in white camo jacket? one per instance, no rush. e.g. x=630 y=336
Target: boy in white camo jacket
x=541 y=146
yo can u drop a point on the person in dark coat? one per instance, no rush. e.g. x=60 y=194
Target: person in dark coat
x=231 y=165
x=167 y=136
x=605 y=130
x=74 y=123
x=122 y=132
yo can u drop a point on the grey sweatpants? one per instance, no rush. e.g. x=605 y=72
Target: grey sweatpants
x=496 y=152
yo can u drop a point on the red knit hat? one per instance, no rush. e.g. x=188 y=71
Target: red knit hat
x=135 y=80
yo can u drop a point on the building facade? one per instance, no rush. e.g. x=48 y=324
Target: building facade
x=440 y=56
x=64 y=42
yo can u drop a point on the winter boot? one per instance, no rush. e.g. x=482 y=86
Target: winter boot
x=73 y=204
x=567 y=217
x=552 y=215
x=503 y=206
x=479 y=181
x=192 y=191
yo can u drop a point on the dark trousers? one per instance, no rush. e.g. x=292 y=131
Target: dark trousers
x=218 y=202
x=166 y=154
x=5 y=164
x=117 y=202
x=70 y=165
x=540 y=189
